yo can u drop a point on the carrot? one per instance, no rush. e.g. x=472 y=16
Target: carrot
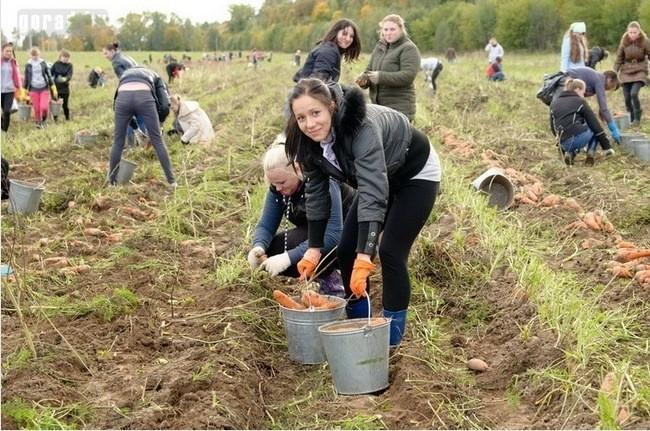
x=93 y=231
x=641 y=267
x=621 y=272
x=598 y=216
x=286 y=301
x=551 y=201
x=573 y=204
x=590 y=221
x=626 y=254
x=320 y=302
x=642 y=277
x=625 y=244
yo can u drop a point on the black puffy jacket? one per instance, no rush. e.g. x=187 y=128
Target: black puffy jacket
x=323 y=62
x=155 y=82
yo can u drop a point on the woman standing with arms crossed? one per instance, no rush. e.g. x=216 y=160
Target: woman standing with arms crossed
x=375 y=149
x=393 y=66
x=632 y=67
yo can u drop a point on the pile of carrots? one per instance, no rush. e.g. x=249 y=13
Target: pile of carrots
x=631 y=262
x=309 y=300
x=593 y=220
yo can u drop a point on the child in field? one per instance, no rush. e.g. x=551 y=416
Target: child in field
x=574 y=123
x=62 y=74
x=494 y=71
x=38 y=81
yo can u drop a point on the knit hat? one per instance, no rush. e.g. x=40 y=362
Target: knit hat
x=578 y=27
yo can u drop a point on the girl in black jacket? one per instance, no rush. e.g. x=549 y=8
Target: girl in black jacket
x=324 y=61
x=574 y=123
x=335 y=134
x=62 y=74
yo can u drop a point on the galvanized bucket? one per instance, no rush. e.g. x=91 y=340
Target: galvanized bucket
x=24 y=111
x=85 y=138
x=56 y=106
x=626 y=141
x=24 y=196
x=125 y=171
x=642 y=149
x=301 y=329
x=497 y=186
x=357 y=351
x=622 y=121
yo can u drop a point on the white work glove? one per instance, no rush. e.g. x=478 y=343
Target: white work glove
x=256 y=256
x=373 y=77
x=274 y=265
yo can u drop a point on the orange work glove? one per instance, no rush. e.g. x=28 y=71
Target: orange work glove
x=306 y=268
x=360 y=272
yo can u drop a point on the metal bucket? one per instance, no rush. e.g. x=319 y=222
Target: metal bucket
x=24 y=111
x=301 y=329
x=357 y=351
x=626 y=141
x=125 y=171
x=85 y=139
x=622 y=121
x=642 y=149
x=497 y=186
x=24 y=197
x=56 y=107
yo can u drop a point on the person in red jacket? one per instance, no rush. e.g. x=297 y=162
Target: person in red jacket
x=11 y=83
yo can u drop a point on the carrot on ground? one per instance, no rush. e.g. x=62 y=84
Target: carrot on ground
x=627 y=254
x=286 y=301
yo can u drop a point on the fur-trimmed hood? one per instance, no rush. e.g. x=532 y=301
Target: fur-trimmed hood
x=626 y=41
x=350 y=110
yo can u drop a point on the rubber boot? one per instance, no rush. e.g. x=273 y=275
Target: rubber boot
x=357 y=308
x=397 y=326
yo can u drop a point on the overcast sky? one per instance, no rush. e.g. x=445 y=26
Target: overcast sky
x=50 y=12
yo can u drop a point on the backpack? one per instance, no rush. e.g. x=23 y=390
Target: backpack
x=550 y=84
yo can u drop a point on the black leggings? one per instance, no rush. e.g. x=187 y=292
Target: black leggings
x=66 y=110
x=7 y=101
x=296 y=236
x=409 y=207
x=632 y=102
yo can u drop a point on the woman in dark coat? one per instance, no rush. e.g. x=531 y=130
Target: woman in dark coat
x=62 y=74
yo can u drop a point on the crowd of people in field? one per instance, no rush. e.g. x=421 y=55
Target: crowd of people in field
x=350 y=177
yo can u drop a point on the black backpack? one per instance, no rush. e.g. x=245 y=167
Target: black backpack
x=550 y=84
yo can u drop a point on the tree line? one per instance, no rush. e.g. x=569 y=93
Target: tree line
x=434 y=25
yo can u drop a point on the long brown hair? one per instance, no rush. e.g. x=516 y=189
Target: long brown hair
x=579 y=51
x=352 y=52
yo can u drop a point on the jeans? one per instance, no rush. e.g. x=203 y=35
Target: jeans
x=499 y=76
x=632 y=102
x=140 y=104
x=579 y=141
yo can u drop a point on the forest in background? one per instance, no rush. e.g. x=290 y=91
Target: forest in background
x=435 y=25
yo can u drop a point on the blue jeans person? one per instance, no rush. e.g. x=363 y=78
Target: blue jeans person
x=576 y=143
x=499 y=76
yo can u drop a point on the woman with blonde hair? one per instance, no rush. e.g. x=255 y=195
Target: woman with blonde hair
x=278 y=249
x=38 y=81
x=191 y=122
x=392 y=69
x=574 y=47
x=632 y=67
